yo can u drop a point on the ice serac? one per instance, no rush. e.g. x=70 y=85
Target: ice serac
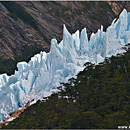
x=83 y=41
x=3 y=80
x=44 y=72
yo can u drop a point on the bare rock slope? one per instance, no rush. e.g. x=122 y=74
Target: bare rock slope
x=26 y=24
x=15 y=35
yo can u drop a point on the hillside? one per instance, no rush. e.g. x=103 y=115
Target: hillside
x=98 y=98
x=36 y=23
x=26 y=28
x=83 y=97
x=22 y=36
x=41 y=76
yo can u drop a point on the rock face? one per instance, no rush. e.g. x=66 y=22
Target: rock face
x=118 y=6
x=15 y=35
x=52 y=15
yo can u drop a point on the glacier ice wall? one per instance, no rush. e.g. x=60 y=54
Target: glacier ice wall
x=44 y=72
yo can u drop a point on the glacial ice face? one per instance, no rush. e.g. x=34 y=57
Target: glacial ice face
x=44 y=72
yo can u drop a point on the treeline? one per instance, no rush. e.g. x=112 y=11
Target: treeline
x=98 y=98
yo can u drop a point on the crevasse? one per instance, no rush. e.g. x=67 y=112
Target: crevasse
x=44 y=72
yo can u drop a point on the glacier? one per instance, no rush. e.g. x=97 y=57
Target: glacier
x=41 y=76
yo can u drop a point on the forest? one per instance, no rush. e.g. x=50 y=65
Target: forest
x=98 y=98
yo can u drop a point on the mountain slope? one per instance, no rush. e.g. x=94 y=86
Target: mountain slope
x=25 y=24
x=27 y=80
x=118 y=6
x=20 y=40
x=73 y=14
x=18 y=35
x=41 y=76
